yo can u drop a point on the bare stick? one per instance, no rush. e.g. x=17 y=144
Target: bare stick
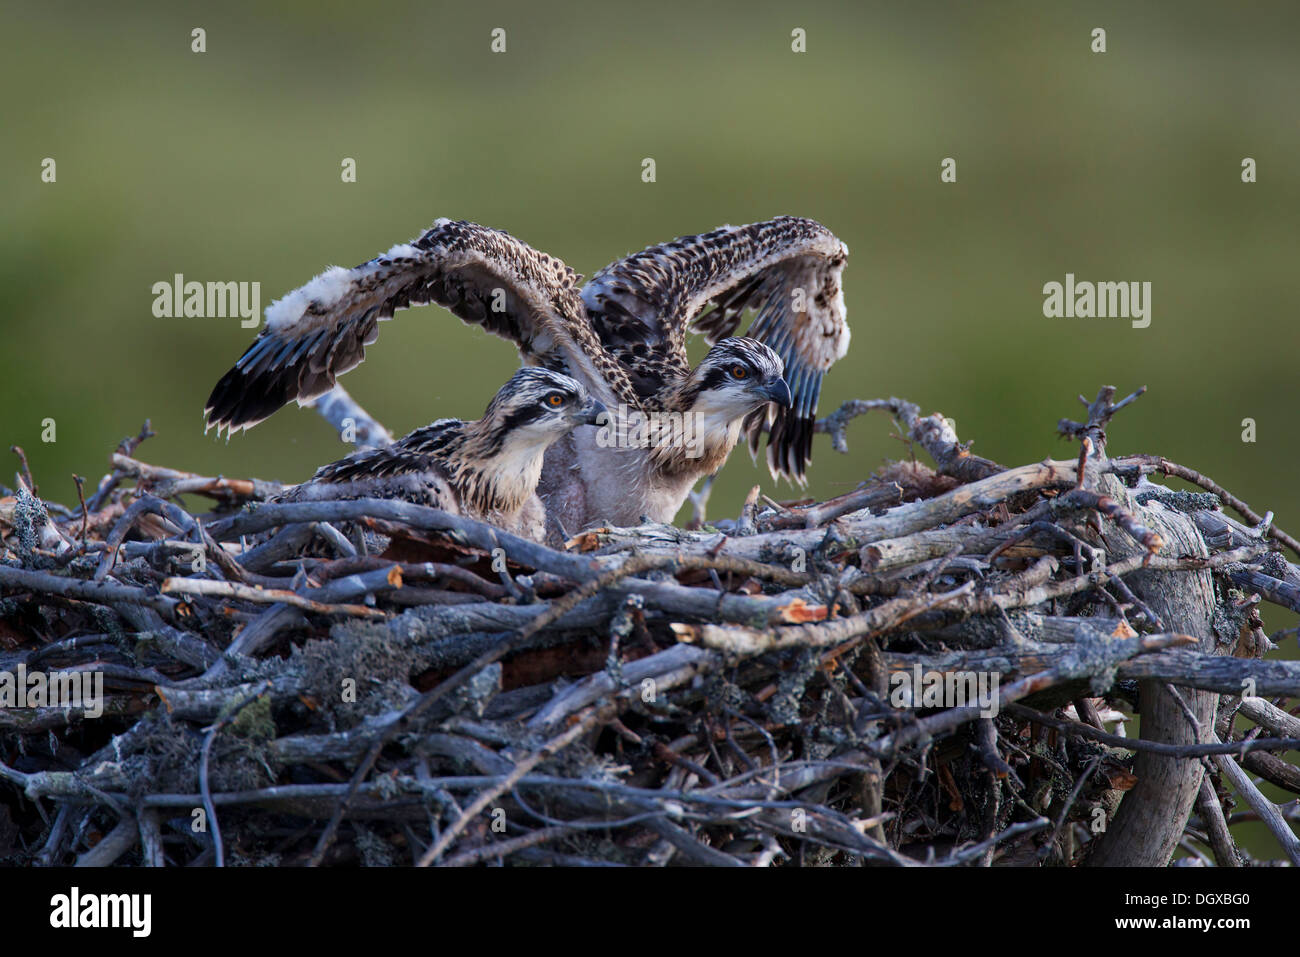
x=557 y=743
x=1262 y=806
x=353 y=423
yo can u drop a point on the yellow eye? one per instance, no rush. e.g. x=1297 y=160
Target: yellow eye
x=555 y=400
x=739 y=371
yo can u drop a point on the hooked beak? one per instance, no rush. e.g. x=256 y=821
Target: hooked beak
x=591 y=413
x=778 y=392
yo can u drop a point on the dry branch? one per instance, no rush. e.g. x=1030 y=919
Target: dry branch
x=741 y=693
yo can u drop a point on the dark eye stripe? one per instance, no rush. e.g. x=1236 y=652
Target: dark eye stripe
x=714 y=378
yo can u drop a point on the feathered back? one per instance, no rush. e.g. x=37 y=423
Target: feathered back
x=786 y=269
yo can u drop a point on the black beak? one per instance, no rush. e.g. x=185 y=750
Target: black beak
x=591 y=413
x=778 y=392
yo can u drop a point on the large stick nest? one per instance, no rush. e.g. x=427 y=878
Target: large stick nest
x=374 y=681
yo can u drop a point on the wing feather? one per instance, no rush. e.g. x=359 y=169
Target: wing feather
x=483 y=276
x=787 y=270
x=420 y=451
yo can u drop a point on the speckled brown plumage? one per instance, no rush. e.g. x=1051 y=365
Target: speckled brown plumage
x=483 y=276
x=622 y=335
x=644 y=304
x=486 y=469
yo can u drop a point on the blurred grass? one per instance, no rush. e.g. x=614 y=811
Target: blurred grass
x=225 y=166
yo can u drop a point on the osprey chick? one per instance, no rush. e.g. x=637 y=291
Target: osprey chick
x=486 y=469
x=623 y=336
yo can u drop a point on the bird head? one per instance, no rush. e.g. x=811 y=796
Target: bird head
x=737 y=376
x=537 y=406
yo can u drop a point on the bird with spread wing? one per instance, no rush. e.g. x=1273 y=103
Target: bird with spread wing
x=622 y=336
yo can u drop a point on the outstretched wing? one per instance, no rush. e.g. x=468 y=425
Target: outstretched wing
x=786 y=269
x=484 y=276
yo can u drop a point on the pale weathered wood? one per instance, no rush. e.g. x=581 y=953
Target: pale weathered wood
x=1152 y=816
x=793 y=623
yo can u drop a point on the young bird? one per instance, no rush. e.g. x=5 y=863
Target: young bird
x=602 y=474
x=622 y=335
x=486 y=469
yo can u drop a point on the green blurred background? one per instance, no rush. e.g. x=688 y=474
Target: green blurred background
x=225 y=166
